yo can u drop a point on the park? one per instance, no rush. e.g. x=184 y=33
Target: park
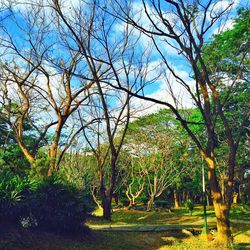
x=124 y=124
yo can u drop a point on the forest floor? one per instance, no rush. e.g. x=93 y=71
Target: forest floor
x=175 y=233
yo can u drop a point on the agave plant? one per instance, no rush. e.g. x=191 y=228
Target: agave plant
x=13 y=190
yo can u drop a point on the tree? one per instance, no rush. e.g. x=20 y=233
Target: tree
x=38 y=86
x=108 y=58
x=183 y=26
x=135 y=180
x=156 y=152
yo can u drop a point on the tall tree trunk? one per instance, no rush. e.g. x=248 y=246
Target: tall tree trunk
x=224 y=234
x=222 y=183
x=54 y=147
x=107 y=194
x=176 y=202
x=106 y=205
x=183 y=197
x=179 y=198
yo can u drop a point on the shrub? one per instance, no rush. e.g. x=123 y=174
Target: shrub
x=49 y=204
x=189 y=205
x=13 y=191
x=57 y=207
x=162 y=203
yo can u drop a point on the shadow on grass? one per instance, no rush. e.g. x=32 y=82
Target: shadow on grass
x=19 y=238
x=140 y=240
x=242 y=246
x=135 y=217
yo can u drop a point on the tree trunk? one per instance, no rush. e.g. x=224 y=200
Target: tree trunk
x=179 y=198
x=129 y=198
x=31 y=159
x=208 y=201
x=224 y=234
x=176 y=202
x=106 y=194
x=222 y=177
x=106 y=204
x=150 y=203
x=54 y=147
x=235 y=197
x=93 y=192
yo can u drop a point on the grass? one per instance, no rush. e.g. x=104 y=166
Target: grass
x=25 y=239
x=15 y=238
x=128 y=217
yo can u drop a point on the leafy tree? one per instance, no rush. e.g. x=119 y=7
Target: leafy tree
x=227 y=52
x=184 y=26
x=158 y=155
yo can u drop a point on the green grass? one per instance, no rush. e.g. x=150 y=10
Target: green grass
x=136 y=217
x=26 y=239
x=18 y=238
x=126 y=217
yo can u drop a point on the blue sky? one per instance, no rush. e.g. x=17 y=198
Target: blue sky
x=158 y=89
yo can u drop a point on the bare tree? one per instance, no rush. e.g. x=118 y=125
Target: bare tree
x=109 y=59
x=39 y=87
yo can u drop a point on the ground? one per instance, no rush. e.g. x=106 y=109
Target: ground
x=176 y=234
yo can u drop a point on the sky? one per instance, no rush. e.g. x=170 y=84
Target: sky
x=158 y=89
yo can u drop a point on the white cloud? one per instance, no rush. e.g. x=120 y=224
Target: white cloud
x=23 y=6
x=142 y=107
x=224 y=27
x=222 y=5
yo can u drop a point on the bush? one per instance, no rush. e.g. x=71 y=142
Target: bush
x=13 y=191
x=189 y=205
x=50 y=204
x=124 y=201
x=57 y=207
x=162 y=203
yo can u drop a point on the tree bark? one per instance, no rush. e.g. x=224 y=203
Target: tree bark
x=176 y=202
x=93 y=192
x=208 y=201
x=224 y=234
x=54 y=147
x=106 y=194
x=106 y=205
x=150 y=203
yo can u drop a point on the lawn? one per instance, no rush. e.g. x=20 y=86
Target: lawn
x=177 y=216
x=19 y=238
x=25 y=239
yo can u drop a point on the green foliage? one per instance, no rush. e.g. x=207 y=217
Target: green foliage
x=39 y=168
x=189 y=205
x=227 y=52
x=12 y=156
x=13 y=190
x=56 y=206
x=79 y=170
x=48 y=204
